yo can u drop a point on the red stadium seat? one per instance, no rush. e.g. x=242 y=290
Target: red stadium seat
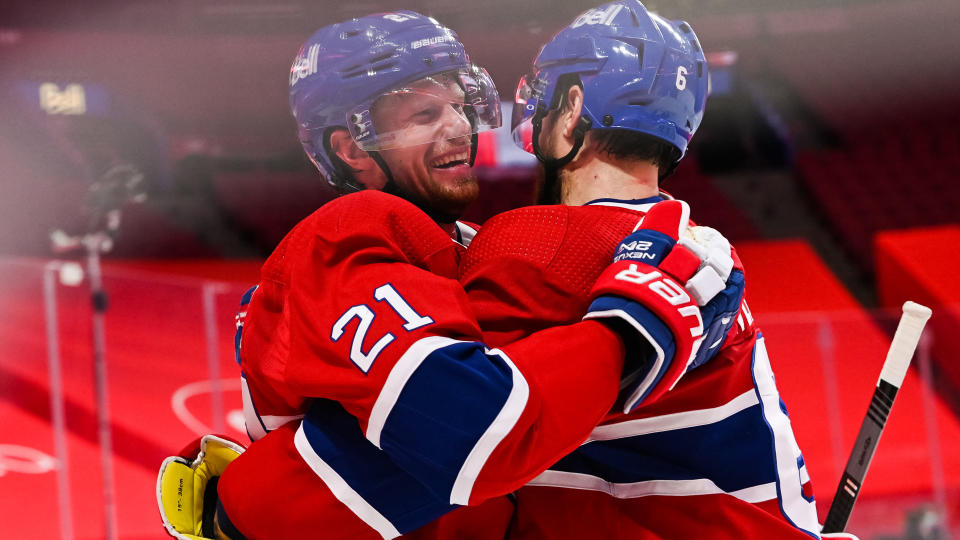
x=921 y=265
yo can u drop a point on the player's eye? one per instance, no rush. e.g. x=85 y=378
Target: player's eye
x=426 y=115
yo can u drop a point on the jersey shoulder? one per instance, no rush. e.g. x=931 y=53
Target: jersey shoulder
x=369 y=222
x=376 y=224
x=536 y=233
x=373 y=212
x=571 y=245
x=531 y=233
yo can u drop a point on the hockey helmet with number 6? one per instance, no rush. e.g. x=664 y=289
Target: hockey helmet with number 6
x=639 y=72
x=343 y=69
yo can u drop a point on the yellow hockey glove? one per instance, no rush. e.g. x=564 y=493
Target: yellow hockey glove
x=186 y=507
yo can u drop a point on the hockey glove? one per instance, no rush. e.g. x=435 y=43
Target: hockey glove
x=187 y=487
x=718 y=308
x=653 y=289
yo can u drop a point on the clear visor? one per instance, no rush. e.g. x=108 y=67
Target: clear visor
x=448 y=105
x=525 y=103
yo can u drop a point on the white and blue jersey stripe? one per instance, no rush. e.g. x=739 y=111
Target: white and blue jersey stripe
x=744 y=448
x=446 y=406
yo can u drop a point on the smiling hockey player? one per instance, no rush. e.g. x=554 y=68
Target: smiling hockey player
x=376 y=403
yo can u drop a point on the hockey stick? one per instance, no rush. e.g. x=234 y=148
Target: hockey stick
x=891 y=377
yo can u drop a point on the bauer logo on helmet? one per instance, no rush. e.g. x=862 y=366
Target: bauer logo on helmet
x=431 y=41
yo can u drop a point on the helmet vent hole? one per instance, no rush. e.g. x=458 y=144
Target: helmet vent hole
x=699 y=69
x=685 y=28
x=641 y=102
x=350 y=34
x=696 y=44
x=381 y=58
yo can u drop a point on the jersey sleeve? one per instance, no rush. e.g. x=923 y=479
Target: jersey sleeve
x=380 y=324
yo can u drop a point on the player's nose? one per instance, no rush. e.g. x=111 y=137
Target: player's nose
x=455 y=123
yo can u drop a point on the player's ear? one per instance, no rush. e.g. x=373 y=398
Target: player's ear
x=344 y=147
x=573 y=110
x=365 y=170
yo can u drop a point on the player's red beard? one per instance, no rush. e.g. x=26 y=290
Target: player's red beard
x=446 y=202
x=443 y=193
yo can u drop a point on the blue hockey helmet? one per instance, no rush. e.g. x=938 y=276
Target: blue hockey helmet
x=343 y=69
x=639 y=72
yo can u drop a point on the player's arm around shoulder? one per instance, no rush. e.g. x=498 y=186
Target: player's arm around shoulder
x=674 y=288
x=400 y=349
x=568 y=373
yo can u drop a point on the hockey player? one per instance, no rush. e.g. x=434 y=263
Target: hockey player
x=376 y=403
x=609 y=109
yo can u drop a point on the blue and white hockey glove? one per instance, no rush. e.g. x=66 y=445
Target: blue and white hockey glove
x=653 y=291
x=719 y=302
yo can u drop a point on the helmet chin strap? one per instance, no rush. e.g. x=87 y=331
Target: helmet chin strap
x=549 y=191
x=474 y=137
x=474 y=140
x=579 y=132
x=391 y=186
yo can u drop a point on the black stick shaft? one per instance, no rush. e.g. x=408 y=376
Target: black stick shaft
x=859 y=462
x=892 y=374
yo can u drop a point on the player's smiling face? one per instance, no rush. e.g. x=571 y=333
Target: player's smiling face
x=430 y=135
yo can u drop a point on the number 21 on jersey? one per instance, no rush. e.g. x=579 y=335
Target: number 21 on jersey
x=365 y=315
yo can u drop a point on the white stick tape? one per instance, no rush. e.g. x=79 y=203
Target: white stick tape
x=904 y=343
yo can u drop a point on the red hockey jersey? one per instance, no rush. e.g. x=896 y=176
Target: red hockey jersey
x=652 y=474
x=714 y=458
x=360 y=327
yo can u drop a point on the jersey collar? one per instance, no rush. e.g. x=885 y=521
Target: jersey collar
x=465 y=233
x=641 y=205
